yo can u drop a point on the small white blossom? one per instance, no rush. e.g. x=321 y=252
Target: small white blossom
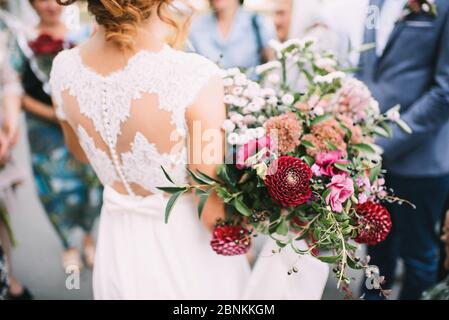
x=329 y=78
x=272 y=100
x=288 y=99
x=274 y=78
x=326 y=63
x=254 y=107
x=229 y=99
x=272 y=65
x=233 y=139
x=249 y=119
x=236 y=118
x=240 y=80
x=228 y=82
x=233 y=72
x=259 y=132
x=261 y=119
x=228 y=125
x=237 y=91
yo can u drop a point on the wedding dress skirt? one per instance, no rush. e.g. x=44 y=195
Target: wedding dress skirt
x=140 y=257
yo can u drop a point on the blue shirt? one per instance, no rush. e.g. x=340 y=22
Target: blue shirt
x=241 y=48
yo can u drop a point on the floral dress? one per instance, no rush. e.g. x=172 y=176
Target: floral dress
x=68 y=190
x=3 y=276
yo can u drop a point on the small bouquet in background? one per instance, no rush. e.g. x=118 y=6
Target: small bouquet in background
x=302 y=162
x=45 y=49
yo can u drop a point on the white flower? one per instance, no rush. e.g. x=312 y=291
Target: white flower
x=276 y=45
x=268 y=92
x=229 y=99
x=249 y=119
x=233 y=139
x=240 y=80
x=288 y=99
x=393 y=114
x=329 y=78
x=268 y=67
x=318 y=111
x=272 y=100
x=236 y=118
x=228 y=82
x=259 y=132
x=240 y=102
x=243 y=139
x=254 y=107
x=261 y=119
x=326 y=63
x=274 y=78
x=237 y=91
x=233 y=72
x=228 y=125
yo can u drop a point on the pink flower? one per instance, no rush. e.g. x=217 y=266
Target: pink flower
x=325 y=162
x=342 y=187
x=250 y=149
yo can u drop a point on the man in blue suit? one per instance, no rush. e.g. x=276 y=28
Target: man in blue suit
x=410 y=66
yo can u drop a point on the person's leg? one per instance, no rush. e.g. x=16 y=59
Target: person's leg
x=420 y=233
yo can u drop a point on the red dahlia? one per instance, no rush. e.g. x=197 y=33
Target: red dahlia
x=288 y=181
x=374 y=222
x=230 y=240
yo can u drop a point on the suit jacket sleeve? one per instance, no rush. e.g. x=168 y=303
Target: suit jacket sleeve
x=430 y=112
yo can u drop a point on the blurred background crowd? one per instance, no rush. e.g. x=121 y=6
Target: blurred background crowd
x=49 y=203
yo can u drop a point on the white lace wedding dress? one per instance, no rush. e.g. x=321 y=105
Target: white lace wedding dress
x=125 y=123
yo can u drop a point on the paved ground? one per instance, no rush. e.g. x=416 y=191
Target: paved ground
x=37 y=258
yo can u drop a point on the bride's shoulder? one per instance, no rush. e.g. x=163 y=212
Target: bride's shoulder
x=63 y=61
x=196 y=63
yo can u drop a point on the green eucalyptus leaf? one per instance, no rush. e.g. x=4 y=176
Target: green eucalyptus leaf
x=171 y=203
x=241 y=207
x=202 y=202
x=374 y=173
x=172 y=190
x=320 y=118
x=365 y=148
x=404 y=126
x=167 y=175
x=282 y=228
x=329 y=259
x=307 y=144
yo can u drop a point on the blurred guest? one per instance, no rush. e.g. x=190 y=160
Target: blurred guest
x=10 y=174
x=231 y=35
x=444 y=245
x=68 y=190
x=418 y=169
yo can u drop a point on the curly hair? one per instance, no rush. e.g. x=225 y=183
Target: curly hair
x=120 y=18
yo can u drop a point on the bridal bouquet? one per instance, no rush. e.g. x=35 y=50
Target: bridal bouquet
x=302 y=162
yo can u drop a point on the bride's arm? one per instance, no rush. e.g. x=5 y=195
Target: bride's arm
x=206 y=141
x=72 y=142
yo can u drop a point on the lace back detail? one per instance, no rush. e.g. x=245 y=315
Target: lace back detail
x=125 y=119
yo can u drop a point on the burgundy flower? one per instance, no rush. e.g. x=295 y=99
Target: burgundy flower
x=46 y=45
x=230 y=240
x=374 y=222
x=288 y=181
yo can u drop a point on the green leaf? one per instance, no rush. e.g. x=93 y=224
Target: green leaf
x=366 y=148
x=172 y=190
x=224 y=175
x=308 y=159
x=404 y=126
x=308 y=144
x=203 y=199
x=320 y=118
x=326 y=193
x=282 y=228
x=206 y=178
x=167 y=175
x=171 y=203
x=374 y=173
x=280 y=244
x=224 y=194
x=341 y=166
x=329 y=259
x=196 y=178
x=241 y=207
x=382 y=132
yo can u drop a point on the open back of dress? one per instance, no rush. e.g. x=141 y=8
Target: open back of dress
x=132 y=121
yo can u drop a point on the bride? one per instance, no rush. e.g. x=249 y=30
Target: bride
x=128 y=103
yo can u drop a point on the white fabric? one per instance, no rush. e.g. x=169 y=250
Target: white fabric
x=391 y=12
x=119 y=120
